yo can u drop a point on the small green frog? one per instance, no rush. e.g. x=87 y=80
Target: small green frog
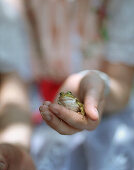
x=70 y=102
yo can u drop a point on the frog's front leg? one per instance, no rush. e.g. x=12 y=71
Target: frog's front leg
x=81 y=107
x=82 y=110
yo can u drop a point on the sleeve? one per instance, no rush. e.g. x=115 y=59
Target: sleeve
x=120 y=27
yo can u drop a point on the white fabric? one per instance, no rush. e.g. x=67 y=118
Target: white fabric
x=14 y=49
x=120 y=26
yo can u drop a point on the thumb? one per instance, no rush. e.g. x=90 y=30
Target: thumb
x=91 y=103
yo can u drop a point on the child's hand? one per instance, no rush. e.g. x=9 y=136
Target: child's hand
x=67 y=122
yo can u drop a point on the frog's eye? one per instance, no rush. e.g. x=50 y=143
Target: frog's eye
x=61 y=93
x=69 y=92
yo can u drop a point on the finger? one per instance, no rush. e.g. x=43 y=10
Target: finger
x=46 y=103
x=91 y=91
x=43 y=107
x=56 y=123
x=72 y=118
x=91 y=102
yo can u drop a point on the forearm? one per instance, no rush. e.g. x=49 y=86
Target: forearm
x=121 y=79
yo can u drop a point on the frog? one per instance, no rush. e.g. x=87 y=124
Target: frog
x=68 y=100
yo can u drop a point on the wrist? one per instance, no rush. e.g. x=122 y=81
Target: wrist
x=104 y=77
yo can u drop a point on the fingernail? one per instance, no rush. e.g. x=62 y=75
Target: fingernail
x=46 y=115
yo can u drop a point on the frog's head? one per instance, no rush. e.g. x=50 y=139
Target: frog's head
x=71 y=102
x=67 y=94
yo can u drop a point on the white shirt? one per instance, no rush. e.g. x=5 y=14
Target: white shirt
x=120 y=25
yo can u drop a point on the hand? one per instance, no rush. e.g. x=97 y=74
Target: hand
x=90 y=90
x=15 y=158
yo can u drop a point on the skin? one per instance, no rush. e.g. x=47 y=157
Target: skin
x=13 y=157
x=90 y=90
x=15 y=124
